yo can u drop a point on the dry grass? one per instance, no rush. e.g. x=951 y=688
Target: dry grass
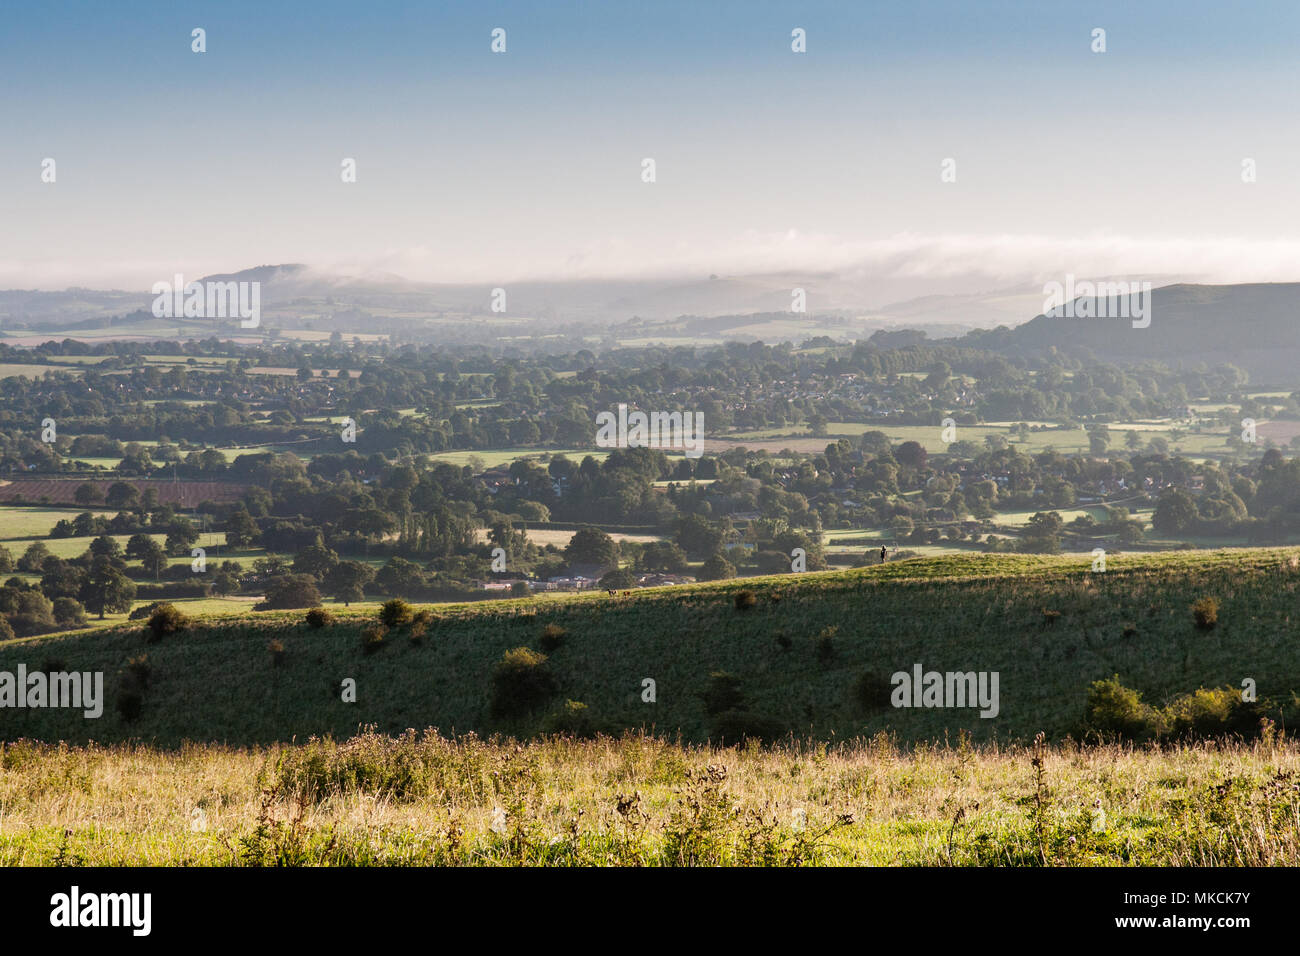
x=424 y=799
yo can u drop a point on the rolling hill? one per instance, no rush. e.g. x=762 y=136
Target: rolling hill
x=1255 y=327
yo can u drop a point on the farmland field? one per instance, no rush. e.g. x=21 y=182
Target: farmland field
x=19 y=370
x=545 y=536
x=22 y=522
x=61 y=491
x=1209 y=440
x=498 y=457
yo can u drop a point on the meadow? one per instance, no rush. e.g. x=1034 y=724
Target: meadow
x=423 y=799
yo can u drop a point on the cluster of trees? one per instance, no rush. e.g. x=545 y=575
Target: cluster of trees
x=95 y=582
x=381 y=517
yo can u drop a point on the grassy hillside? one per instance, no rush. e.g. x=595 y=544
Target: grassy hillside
x=1249 y=325
x=799 y=653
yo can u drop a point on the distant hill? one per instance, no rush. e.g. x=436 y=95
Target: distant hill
x=1255 y=327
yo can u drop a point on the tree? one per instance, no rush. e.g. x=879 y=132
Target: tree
x=717 y=568
x=106 y=547
x=1042 y=534
x=618 y=579
x=60 y=578
x=400 y=577
x=87 y=494
x=181 y=537
x=138 y=545
x=33 y=558
x=663 y=556
x=698 y=537
x=912 y=454
x=225 y=582
x=316 y=560
x=349 y=593
x=68 y=612
x=1175 y=512
x=153 y=558
x=347 y=581
x=106 y=589
x=592 y=546
x=291 y=591
x=122 y=496
x=240 y=528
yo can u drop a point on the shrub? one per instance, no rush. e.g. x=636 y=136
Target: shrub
x=372 y=638
x=137 y=673
x=419 y=626
x=826 y=643
x=552 y=637
x=1115 y=710
x=276 y=648
x=396 y=613
x=872 y=692
x=143 y=611
x=6 y=630
x=319 y=617
x=1206 y=613
x=521 y=682
x=745 y=600
x=1213 y=713
x=69 y=612
x=166 y=619
x=130 y=704
x=738 y=726
x=783 y=641
x=571 y=720
x=1130 y=630
x=723 y=693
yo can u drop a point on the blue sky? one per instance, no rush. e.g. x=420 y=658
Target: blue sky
x=481 y=167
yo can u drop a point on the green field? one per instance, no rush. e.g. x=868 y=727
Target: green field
x=1211 y=440
x=19 y=370
x=497 y=458
x=35 y=522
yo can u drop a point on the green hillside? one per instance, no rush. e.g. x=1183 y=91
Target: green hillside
x=800 y=653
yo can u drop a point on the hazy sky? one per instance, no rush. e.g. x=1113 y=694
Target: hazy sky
x=474 y=166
